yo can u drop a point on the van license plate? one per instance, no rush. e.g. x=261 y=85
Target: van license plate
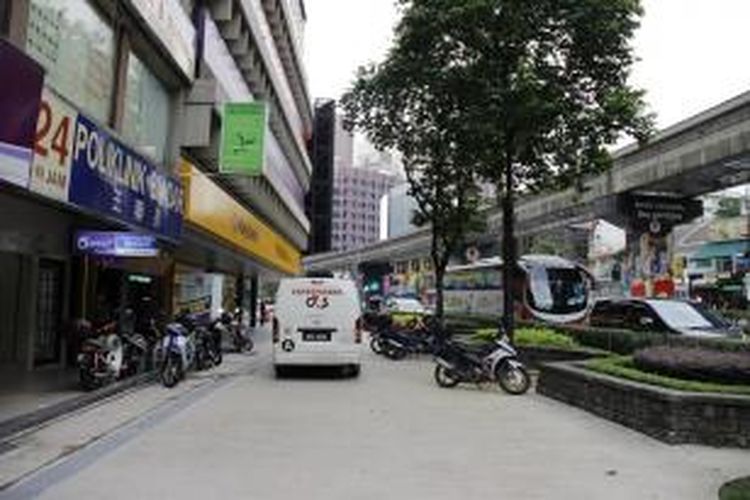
x=316 y=336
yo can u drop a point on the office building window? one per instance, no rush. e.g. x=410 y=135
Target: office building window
x=145 y=122
x=75 y=45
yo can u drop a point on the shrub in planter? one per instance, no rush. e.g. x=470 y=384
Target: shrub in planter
x=536 y=337
x=695 y=364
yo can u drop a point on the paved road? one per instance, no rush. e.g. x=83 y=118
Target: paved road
x=389 y=434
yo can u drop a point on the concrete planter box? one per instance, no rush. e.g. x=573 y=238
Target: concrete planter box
x=675 y=417
x=534 y=356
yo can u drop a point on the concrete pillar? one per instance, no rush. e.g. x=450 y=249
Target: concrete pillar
x=253 y=301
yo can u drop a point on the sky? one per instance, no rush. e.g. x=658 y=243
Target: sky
x=693 y=53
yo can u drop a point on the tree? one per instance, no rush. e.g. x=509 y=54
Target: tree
x=543 y=89
x=409 y=103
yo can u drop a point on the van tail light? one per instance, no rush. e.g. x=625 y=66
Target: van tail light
x=275 y=330
x=358 y=331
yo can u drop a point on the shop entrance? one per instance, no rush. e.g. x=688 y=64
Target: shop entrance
x=49 y=309
x=10 y=307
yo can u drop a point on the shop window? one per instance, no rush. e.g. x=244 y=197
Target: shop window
x=75 y=46
x=145 y=122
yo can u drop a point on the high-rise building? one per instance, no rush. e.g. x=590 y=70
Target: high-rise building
x=356 y=206
x=319 y=201
x=400 y=208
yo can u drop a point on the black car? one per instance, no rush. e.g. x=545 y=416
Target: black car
x=661 y=315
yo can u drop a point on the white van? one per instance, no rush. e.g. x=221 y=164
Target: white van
x=317 y=322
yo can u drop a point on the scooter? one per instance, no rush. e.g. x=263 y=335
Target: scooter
x=176 y=354
x=100 y=360
x=493 y=362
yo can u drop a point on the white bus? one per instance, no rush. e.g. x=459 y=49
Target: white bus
x=550 y=289
x=317 y=322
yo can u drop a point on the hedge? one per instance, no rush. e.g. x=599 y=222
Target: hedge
x=623 y=367
x=739 y=489
x=701 y=364
x=628 y=341
x=537 y=337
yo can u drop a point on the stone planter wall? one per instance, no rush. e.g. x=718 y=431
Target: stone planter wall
x=535 y=356
x=671 y=416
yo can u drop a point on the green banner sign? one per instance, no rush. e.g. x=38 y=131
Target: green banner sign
x=242 y=133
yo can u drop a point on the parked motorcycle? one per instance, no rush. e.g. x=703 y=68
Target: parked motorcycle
x=175 y=354
x=100 y=360
x=492 y=362
x=421 y=337
x=231 y=325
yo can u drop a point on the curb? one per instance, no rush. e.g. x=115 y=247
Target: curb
x=34 y=418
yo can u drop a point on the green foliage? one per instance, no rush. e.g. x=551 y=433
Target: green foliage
x=532 y=337
x=695 y=364
x=739 y=489
x=622 y=367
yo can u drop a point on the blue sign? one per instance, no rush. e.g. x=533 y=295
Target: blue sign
x=108 y=177
x=116 y=244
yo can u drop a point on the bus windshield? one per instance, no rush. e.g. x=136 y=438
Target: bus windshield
x=556 y=290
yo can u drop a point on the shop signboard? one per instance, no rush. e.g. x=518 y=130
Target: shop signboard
x=109 y=178
x=217 y=213
x=172 y=26
x=50 y=169
x=116 y=244
x=19 y=106
x=242 y=138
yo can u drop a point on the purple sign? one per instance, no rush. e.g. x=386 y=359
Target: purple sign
x=108 y=177
x=19 y=107
x=116 y=244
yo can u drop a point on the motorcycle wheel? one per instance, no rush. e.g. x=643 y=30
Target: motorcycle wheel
x=218 y=357
x=513 y=379
x=87 y=380
x=376 y=346
x=170 y=371
x=445 y=378
x=394 y=353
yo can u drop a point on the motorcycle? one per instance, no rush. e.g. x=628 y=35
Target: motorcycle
x=420 y=337
x=493 y=362
x=100 y=360
x=175 y=354
x=232 y=324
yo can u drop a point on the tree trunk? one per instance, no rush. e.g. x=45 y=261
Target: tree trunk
x=439 y=276
x=439 y=270
x=509 y=252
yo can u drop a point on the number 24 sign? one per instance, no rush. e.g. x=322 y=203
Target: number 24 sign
x=50 y=169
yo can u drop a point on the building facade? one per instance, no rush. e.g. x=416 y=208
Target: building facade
x=356 y=206
x=323 y=155
x=400 y=208
x=116 y=193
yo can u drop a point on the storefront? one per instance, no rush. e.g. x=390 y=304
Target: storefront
x=225 y=252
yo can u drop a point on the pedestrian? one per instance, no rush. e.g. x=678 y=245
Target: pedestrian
x=262 y=313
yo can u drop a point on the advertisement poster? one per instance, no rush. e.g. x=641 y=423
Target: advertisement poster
x=242 y=138
x=19 y=107
x=50 y=169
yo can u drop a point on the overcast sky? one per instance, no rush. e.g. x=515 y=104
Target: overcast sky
x=694 y=53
